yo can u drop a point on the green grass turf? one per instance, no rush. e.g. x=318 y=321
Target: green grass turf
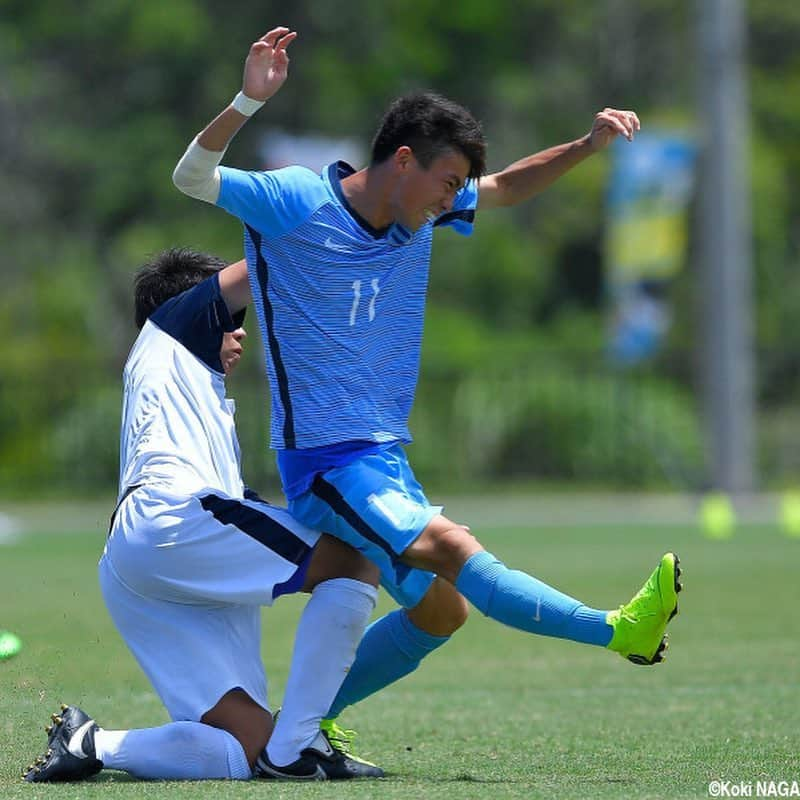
x=494 y=714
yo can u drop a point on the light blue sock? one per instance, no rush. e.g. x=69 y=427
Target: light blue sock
x=521 y=601
x=392 y=647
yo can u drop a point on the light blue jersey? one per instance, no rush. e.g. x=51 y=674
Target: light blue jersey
x=340 y=304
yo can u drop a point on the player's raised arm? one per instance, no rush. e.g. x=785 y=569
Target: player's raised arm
x=265 y=71
x=235 y=287
x=531 y=175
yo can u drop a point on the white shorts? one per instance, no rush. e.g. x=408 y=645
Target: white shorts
x=184 y=579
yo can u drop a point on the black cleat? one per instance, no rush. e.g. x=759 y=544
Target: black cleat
x=318 y=762
x=70 y=754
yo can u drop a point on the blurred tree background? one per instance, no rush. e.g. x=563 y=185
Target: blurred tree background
x=98 y=100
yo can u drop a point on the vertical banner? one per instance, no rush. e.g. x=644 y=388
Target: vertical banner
x=647 y=231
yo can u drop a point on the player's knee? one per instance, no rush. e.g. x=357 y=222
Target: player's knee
x=443 y=547
x=442 y=611
x=452 y=614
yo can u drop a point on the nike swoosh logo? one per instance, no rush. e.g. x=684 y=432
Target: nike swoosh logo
x=322 y=746
x=339 y=248
x=75 y=744
x=329 y=752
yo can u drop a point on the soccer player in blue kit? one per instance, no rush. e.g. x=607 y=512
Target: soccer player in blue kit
x=338 y=266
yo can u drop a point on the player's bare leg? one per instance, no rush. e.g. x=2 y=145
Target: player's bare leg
x=442 y=611
x=241 y=716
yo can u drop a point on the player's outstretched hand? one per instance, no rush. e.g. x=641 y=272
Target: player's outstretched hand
x=610 y=123
x=267 y=64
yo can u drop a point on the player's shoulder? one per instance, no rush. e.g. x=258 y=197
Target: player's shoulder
x=293 y=178
x=296 y=174
x=302 y=184
x=301 y=190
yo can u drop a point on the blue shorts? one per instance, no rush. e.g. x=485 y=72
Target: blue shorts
x=375 y=505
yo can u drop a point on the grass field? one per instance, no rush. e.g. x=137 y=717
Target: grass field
x=495 y=713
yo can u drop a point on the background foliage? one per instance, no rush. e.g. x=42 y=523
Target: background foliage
x=97 y=105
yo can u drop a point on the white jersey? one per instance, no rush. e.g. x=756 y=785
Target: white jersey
x=189 y=561
x=177 y=425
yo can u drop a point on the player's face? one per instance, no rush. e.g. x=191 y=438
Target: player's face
x=424 y=194
x=231 y=350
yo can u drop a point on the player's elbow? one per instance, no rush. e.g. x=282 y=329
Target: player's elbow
x=199 y=187
x=197 y=173
x=179 y=180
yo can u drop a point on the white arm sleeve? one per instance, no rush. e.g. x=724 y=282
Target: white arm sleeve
x=197 y=172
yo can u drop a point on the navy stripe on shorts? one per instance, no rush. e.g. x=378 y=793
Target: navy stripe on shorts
x=258 y=525
x=329 y=494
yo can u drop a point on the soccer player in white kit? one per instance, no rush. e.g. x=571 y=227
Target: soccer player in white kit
x=192 y=556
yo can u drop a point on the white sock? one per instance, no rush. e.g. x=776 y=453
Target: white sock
x=328 y=634
x=189 y=751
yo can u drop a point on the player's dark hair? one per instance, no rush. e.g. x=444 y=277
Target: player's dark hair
x=430 y=125
x=168 y=274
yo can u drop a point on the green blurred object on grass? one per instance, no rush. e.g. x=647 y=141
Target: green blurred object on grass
x=10 y=645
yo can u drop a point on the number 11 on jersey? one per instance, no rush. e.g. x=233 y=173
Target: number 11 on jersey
x=357 y=300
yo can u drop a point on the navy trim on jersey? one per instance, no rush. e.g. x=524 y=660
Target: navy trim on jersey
x=262 y=272
x=197 y=318
x=467 y=214
x=329 y=494
x=337 y=171
x=259 y=526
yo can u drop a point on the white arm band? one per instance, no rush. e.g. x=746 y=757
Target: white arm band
x=197 y=173
x=246 y=105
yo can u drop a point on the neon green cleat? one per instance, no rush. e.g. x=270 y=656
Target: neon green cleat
x=10 y=645
x=341 y=740
x=639 y=625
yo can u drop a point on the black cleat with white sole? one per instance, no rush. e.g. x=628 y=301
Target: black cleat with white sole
x=70 y=754
x=318 y=762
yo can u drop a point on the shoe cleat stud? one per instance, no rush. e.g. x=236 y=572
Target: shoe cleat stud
x=64 y=706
